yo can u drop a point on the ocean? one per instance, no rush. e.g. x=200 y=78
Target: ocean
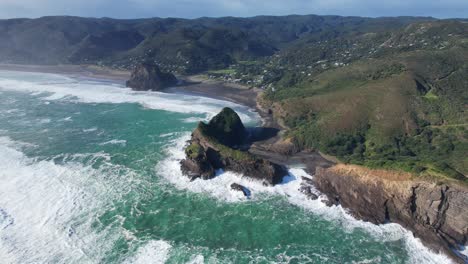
x=89 y=173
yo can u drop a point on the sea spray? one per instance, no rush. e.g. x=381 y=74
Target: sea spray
x=72 y=90
x=70 y=196
x=219 y=188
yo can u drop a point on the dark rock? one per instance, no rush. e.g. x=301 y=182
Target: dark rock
x=212 y=147
x=328 y=203
x=197 y=165
x=312 y=196
x=147 y=76
x=227 y=128
x=438 y=214
x=240 y=188
x=307 y=180
x=307 y=190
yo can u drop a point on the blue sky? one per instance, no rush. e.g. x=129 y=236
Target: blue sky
x=242 y=8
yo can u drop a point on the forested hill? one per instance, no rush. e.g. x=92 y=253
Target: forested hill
x=381 y=92
x=388 y=99
x=181 y=45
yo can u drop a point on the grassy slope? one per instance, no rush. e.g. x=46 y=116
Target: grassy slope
x=403 y=110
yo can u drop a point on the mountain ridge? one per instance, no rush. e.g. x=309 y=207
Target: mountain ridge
x=54 y=39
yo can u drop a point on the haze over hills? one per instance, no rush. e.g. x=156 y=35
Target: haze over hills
x=384 y=92
x=181 y=44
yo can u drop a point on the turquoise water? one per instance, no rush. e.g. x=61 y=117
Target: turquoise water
x=89 y=174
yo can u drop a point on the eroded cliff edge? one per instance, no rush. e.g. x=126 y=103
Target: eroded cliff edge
x=435 y=212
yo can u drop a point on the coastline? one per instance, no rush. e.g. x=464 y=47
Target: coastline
x=86 y=71
x=217 y=90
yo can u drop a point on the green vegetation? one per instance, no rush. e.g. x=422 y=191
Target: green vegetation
x=235 y=154
x=194 y=150
x=431 y=96
x=382 y=100
x=225 y=131
x=226 y=127
x=224 y=150
x=178 y=45
x=382 y=92
x=381 y=115
x=222 y=72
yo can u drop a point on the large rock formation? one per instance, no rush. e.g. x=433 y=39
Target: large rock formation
x=437 y=213
x=216 y=146
x=147 y=76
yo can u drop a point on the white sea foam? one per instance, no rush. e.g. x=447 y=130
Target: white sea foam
x=66 y=119
x=90 y=129
x=464 y=250
x=155 y=251
x=194 y=119
x=219 y=187
x=198 y=259
x=47 y=210
x=166 y=135
x=39 y=199
x=91 y=92
x=121 y=142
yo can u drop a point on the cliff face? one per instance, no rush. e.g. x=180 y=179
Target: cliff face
x=437 y=213
x=214 y=146
x=148 y=76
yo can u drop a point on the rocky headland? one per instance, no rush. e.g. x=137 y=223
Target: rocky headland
x=221 y=144
x=435 y=212
x=148 y=77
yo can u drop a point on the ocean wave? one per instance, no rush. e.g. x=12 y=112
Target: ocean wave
x=90 y=129
x=219 y=188
x=194 y=119
x=121 y=142
x=66 y=119
x=86 y=92
x=48 y=210
x=154 y=251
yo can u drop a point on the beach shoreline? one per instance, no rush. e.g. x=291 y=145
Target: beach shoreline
x=83 y=71
x=196 y=85
x=212 y=89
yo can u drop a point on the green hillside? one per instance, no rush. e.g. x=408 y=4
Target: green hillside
x=181 y=45
x=404 y=107
x=382 y=92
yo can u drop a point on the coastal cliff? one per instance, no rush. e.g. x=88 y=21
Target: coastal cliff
x=148 y=76
x=218 y=145
x=436 y=213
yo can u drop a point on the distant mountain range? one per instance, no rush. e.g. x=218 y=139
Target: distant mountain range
x=177 y=44
x=382 y=92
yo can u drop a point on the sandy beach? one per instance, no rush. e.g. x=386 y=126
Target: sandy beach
x=269 y=135
x=87 y=71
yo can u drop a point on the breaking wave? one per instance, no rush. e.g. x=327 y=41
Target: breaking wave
x=47 y=211
x=63 y=88
x=219 y=188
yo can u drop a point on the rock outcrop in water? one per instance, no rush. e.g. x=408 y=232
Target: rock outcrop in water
x=239 y=188
x=437 y=213
x=217 y=145
x=147 y=76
